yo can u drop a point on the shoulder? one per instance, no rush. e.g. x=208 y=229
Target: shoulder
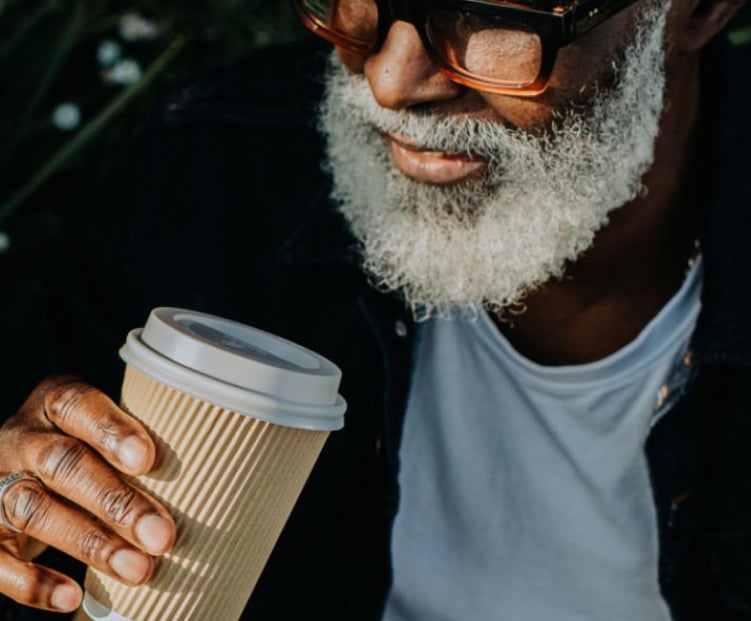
x=238 y=147
x=278 y=86
x=233 y=136
x=212 y=191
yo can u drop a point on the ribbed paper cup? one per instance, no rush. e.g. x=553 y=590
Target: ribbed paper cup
x=229 y=478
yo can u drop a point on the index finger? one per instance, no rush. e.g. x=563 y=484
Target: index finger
x=82 y=411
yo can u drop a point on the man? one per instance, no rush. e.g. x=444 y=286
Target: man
x=564 y=434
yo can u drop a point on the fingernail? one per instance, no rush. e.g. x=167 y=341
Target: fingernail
x=66 y=597
x=131 y=566
x=155 y=533
x=133 y=452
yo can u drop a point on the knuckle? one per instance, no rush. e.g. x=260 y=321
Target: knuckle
x=94 y=546
x=63 y=401
x=61 y=458
x=120 y=505
x=35 y=402
x=27 y=587
x=26 y=504
x=106 y=433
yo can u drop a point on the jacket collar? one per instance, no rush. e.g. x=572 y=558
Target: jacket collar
x=324 y=237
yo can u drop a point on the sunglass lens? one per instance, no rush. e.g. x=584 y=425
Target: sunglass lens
x=481 y=46
x=352 y=21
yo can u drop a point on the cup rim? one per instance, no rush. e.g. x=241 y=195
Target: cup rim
x=244 y=401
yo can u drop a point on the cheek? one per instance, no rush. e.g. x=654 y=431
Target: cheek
x=590 y=59
x=525 y=113
x=351 y=60
x=578 y=69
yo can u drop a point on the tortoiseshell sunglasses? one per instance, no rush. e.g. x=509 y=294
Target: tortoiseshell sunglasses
x=490 y=45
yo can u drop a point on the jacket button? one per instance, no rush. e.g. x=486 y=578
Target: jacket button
x=401 y=329
x=662 y=396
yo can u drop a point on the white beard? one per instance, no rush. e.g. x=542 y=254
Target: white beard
x=489 y=242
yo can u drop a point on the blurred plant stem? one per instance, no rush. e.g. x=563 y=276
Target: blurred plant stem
x=68 y=39
x=92 y=129
x=22 y=30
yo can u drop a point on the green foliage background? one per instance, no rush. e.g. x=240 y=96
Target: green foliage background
x=48 y=56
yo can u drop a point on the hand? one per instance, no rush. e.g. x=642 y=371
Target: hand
x=74 y=442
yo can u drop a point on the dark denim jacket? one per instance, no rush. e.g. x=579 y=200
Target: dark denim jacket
x=223 y=207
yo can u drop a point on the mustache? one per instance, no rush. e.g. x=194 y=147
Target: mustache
x=463 y=134
x=427 y=130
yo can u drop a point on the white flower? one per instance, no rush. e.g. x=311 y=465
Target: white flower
x=135 y=27
x=4 y=242
x=125 y=72
x=108 y=53
x=66 y=116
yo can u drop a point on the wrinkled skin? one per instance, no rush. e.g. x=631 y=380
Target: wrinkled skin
x=80 y=446
x=77 y=444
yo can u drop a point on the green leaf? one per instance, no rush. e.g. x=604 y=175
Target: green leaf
x=22 y=30
x=66 y=42
x=741 y=36
x=91 y=130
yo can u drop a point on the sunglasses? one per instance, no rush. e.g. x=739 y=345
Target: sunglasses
x=496 y=46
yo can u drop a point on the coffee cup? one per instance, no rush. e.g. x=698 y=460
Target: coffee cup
x=239 y=417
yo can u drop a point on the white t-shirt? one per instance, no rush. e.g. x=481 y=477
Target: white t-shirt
x=525 y=492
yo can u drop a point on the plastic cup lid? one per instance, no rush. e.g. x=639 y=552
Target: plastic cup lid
x=98 y=611
x=240 y=368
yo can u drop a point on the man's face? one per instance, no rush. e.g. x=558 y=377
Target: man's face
x=466 y=199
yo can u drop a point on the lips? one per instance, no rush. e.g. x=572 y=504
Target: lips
x=435 y=167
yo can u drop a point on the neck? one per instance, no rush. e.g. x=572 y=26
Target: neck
x=637 y=262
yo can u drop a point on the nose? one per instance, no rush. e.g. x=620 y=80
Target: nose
x=401 y=73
